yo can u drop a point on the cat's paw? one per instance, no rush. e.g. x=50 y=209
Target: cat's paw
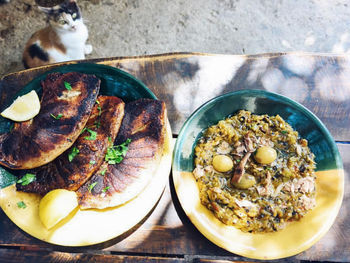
x=87 y=49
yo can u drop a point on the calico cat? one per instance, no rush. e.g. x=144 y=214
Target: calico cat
x=64 y=39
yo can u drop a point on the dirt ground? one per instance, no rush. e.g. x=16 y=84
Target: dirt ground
x=137 y=27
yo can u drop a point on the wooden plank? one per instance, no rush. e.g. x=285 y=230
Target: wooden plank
x=185 y=81
x=26 y=256
x=168 y=231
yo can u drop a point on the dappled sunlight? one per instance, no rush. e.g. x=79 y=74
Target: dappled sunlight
x=294 y=88
x=332 y=84
x=208 y=82
x=272 y=79
x=258 y=68
x=299 y=64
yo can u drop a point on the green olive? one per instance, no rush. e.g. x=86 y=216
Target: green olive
x=265 y=155
x=222 y=163
x=246 y=181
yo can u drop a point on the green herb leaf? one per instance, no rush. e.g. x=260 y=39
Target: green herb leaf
x=104 y=171
x=105 y=189
x=97 y=124
x=27 y=179
x=21 y=204
x=83 y=130
x=73 y=153
x=67 y=85
x=116 y=154
x=92 y=136
x=91 y=186
x=284 y=132
x=99 y=110
x=12 y=126
x=59 y=116
x=97 y=102
x=92 y=162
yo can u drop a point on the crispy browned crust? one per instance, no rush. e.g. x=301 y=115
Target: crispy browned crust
x=144 y=124
x=38 y=141
x=105 y=120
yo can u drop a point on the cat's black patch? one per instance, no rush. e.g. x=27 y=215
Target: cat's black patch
x=70 y=8
x=25 y=64
x=36 y=51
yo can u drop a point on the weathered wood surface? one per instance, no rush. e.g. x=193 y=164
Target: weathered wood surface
x=184 y=81
x=25 y=256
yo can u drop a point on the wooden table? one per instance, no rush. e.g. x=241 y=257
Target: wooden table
x=185 y=81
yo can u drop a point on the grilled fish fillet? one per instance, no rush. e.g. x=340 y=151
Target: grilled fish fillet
x=39 y=141
x=115 y=184
x=99 y=133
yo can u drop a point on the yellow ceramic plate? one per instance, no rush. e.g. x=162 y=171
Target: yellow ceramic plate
x=88 y=227
x=297 y=236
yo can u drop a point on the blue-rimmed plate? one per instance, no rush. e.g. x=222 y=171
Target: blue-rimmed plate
x=297 y=236
x=88 y=227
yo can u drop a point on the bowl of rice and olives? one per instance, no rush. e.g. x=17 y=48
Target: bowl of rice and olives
x=252 y=170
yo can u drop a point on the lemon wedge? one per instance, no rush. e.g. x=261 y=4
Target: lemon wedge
x=23 y=108
x=56 y=205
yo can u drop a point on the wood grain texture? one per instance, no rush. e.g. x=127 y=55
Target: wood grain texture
x=185 y=81
x=168 y=231
x=19 y=256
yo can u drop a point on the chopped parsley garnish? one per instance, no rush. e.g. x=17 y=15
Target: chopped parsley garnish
x=67 y=85
x=21 y=204
x=27 y=179
x=73 y=153
x=92 y=162
x=115 y=154
x=284 y=132
x=83 y=130
x=12 y=126
x=91 y=186
x=99 y=108
x=105 y=189
x=92 y=136
x=104 y=171
x=59 y=116
x=110 y=139
x=97 y=124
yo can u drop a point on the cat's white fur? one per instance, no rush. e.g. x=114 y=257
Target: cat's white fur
x=65 y=39
x=73 y=36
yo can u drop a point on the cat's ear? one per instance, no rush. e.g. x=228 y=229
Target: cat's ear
x=49 y=10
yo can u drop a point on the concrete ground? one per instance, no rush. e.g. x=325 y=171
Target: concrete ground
x=137 y=27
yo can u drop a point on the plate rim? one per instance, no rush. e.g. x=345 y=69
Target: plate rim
x=260 y=93
x=166 y=156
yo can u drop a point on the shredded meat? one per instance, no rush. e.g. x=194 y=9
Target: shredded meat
x=239 y=171
x=198 y=172
x=224 y=148
x=304 y=185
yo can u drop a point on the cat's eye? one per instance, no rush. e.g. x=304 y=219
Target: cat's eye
x=74 y=15
x=62 y=22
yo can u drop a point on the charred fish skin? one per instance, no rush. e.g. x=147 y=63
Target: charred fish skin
x=101 y=130
x=91 y=146
x=113 y=185
x=40 y=140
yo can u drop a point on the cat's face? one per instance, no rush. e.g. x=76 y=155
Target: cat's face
x=65 y=16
